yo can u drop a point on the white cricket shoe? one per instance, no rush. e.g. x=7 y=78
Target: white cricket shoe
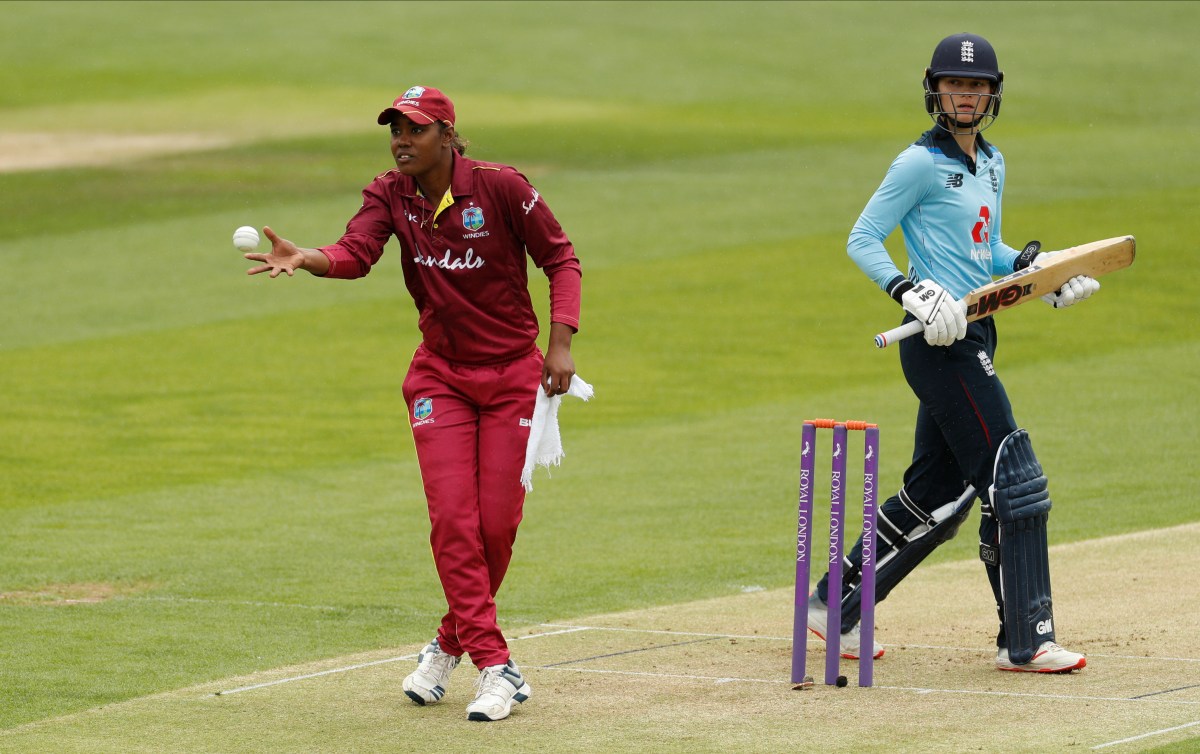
x=1049 y=658
x=427 y=684
x=818 y=617
x=498 y=687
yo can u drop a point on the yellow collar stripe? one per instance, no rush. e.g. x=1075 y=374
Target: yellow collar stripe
x=447 y=200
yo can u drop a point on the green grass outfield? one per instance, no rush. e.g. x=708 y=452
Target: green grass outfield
x=219 y=466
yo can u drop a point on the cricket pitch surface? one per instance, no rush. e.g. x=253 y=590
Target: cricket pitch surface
x=713 y=675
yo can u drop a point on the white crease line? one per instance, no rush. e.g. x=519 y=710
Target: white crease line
x=713 y=678
x=1143 y=657
x=313 y=675
x=914 y=689
x=1062 y=697
x=672 y=633
x=1146 y=735
x=569 y=629
x=367 y=665
x=812 y=639
x=573 y=630
x=1088 y=654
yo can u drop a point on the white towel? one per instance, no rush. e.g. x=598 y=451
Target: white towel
x=545 y=443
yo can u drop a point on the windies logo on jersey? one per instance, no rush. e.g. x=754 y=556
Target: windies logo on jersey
x=472 y=218
x=422 y=408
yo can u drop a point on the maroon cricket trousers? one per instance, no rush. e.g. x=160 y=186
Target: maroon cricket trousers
x=471 y=425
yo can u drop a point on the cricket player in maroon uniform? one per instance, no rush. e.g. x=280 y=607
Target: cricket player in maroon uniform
x=465 y=229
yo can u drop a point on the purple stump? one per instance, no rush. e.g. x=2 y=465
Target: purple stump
x=808 y=454
x=837 y=520
x=866 y=661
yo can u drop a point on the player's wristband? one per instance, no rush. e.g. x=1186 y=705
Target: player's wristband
x=1027 y=255
x=898 y=287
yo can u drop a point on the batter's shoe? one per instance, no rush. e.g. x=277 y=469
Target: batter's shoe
x=498 y=687
x=1049 y=658
x=427 y=684
x=818 y=617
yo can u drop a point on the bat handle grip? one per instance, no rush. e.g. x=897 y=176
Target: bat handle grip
x=908 y=329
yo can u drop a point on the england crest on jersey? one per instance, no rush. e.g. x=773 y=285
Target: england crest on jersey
x=472 y=218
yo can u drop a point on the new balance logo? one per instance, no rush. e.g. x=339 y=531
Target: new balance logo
x=954 y=181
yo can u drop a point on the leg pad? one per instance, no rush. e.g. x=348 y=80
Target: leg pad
x=1020 y=502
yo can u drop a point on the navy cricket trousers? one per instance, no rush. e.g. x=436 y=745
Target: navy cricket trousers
x=963 y=416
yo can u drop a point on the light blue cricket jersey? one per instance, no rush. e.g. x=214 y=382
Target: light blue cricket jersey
x=950 y=217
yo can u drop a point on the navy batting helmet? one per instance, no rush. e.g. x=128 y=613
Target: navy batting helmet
x=968 y=56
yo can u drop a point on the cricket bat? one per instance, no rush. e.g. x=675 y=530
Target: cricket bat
x=1092 y=259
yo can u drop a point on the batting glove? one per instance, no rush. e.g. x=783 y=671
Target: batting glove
x=1074 y=290
x=944 y=317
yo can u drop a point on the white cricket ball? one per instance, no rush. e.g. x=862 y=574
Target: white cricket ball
x=246 y=238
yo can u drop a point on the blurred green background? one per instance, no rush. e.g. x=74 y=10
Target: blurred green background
x=205 y=474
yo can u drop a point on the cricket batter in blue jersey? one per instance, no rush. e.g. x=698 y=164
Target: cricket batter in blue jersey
x=945 y=192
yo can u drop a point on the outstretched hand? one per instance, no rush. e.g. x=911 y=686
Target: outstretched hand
x=284 y=256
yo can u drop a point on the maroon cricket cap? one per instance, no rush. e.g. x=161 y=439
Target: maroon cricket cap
x=420 y=104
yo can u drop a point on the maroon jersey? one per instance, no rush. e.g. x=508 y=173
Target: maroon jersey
x=465 y=265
